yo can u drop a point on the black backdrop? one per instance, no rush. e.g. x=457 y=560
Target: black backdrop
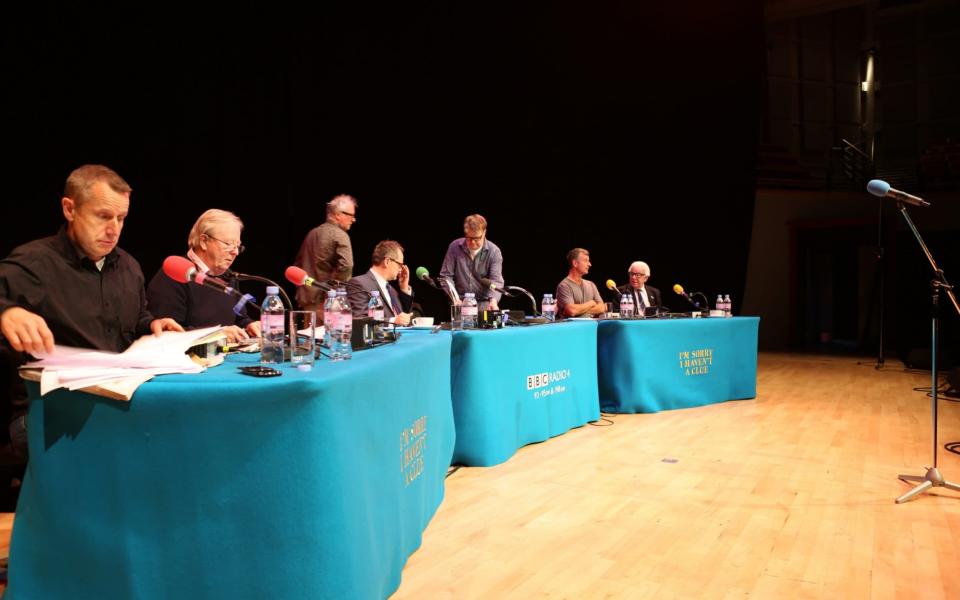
x=624 y=128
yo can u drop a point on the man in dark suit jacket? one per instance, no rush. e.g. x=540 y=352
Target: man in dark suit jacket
x=387 y=266
x=643 y=295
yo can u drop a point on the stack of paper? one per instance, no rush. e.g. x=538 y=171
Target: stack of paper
x=116 y=375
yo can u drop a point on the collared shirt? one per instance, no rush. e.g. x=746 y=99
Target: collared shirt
x=197 y=261
x=466 y=270
x=83 y=306
x=385 y=286
x=640 y=295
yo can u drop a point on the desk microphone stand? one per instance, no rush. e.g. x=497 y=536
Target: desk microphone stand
x=932 y=478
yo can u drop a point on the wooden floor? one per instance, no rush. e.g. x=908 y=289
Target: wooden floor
x=786 y=496
x=790 y=495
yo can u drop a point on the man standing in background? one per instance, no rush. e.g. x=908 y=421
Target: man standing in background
x=326 y=252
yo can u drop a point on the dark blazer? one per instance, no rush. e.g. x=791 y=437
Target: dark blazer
x=358 y=293
x=652 y=293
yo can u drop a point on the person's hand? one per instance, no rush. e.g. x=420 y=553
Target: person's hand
x=253 y=329
x=27 y=331
x=403 y=279
x=234 y=334
x=403 y=319
x=492 y=305
x=159 y=325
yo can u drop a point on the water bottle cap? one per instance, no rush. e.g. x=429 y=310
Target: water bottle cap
x=273 y=289
x=331 y=293
x=468 y=295
x=375 y=293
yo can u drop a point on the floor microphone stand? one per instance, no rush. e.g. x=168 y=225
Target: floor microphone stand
x=932 y=478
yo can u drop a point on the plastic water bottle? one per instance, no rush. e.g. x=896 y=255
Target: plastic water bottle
x=329 y=322
x=720 y=305
x=375 y=312
x=271 y=327
x=344 y=326
x=626 y=306
x=469 y=311
x=727 y=306
x=549 y=307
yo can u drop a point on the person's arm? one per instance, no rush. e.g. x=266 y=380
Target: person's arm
x=167 y=298
x=495 y=273
x=343 y=258
x=449 y=266
x=26 y=331
x=406 y=291
x=570 y=309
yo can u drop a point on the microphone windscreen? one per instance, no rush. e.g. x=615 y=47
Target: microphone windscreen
x=178 y=268
x=295 y=275
x=611 y=285
x=878 y=187
x=486 y=282
x=422 y=272
x=677 y=288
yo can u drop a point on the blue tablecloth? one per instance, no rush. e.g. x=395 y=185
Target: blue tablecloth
x=519 y=385
x=218 y=485
x=650 y=365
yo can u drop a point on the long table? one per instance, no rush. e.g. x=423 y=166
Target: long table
x=649 y=365
x=218 y=485
x=520 y=385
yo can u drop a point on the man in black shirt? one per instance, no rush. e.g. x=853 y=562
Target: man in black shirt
x=77 y=288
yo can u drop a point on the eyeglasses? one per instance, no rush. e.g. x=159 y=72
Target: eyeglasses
x=475 y=238
x=639 y=274
x=351 y=215
x=396 y=261
x=229 y=247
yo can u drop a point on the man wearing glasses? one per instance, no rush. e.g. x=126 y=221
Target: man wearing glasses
x=387 y=266
x=472 y=258
x=326 y=252
x=643 y=295
x=213 y=245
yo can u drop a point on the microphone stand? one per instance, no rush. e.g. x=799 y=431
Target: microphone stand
x=932 y=478
x=245 y=277
x=514 y=288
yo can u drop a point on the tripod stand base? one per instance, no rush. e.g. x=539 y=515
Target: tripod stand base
x=931 y=479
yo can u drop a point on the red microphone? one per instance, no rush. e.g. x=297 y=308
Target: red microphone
x=183 y=270
x=299 y=277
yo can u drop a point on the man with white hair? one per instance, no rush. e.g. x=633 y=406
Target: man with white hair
x=213 y=244
x=643 y=295
x=326 y=252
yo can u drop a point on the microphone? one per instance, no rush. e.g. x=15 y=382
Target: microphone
x=487 y=283
x=678 y=289
x=299 y=277
x=612 y=286
x=424 y=275
x=183 y=270
x=881 y=188
x=230 y=273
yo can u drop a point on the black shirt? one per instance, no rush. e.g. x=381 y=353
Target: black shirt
x=192 y=305
x=83 y=306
